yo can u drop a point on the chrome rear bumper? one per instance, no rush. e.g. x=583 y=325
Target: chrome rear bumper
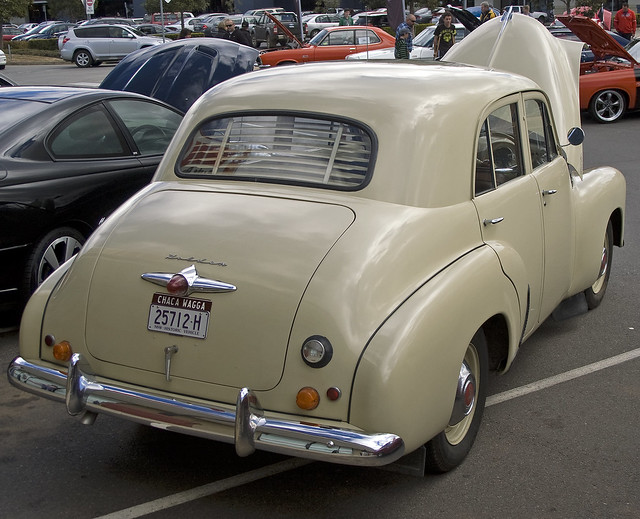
x=246 y=426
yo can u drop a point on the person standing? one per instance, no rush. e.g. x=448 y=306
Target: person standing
x=401 y=44
x=242 y=36
x=625 y=22
x=346 y=18
x=486 y=13
x=444 y=36
x=407 y=24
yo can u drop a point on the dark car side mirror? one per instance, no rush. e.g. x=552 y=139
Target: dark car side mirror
x=575 y=136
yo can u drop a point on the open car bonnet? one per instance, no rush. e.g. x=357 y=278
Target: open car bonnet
x=505 y=44
x=601 y=43
x=254 y=256
x=466 y=18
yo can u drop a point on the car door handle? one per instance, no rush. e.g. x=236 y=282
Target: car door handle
x=492 y=221
x=546 y=192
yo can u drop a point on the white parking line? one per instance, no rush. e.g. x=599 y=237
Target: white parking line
x=562 y=377
x=207 y=490
x=294 y=463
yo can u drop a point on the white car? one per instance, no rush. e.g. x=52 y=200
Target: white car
x=329 y=269
x=3 y=59
x=90 y=45
x=177 y=27
x=422 y=46
x=314 y=23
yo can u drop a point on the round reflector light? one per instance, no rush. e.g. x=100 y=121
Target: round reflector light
x=307 y=398
x=62 y=351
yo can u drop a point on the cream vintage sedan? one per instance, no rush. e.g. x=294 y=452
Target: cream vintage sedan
x=299 y=279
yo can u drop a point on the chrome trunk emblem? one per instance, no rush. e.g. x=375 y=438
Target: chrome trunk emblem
x=196 y=283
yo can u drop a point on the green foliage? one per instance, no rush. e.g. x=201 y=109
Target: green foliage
x=39 y=47
x=176 y=6
x=10 y=8
x=67 y=9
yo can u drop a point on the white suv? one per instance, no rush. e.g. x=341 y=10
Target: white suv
x=90 y=45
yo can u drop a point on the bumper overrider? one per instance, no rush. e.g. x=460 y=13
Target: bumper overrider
x=246 y=426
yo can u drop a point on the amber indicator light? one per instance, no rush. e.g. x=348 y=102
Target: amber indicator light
x=307 y=398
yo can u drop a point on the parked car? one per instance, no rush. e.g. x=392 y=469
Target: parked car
x=541 y=16
x=374 y=18
x=3 y=59
x=109 y=21
x=181 y=71
x=633 y=48
x=608 y=84
x=422 y=46
x=151 y=29
x=266 y=30
x=68 y=158
x=189 y=23
x=90 y=46
x=299 y=279
x=44 y=31
x=9 y=32
x=4 y=80
x=332 y=43
x=559 y=30
x=208 y=23
x=312 y=24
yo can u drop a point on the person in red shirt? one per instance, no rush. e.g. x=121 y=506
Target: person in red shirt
x=625 y=22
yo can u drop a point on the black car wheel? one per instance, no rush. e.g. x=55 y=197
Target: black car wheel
x=595 y=293
x=607 y=106
x=51 y=251
x=449 y=448
x=82 y=59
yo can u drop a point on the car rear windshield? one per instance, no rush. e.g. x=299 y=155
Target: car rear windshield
x=281 y=148
x=17 y=110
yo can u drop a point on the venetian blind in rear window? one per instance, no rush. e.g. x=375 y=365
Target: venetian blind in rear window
x=281 y=148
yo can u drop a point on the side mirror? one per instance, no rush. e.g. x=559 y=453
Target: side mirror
x=575 y=136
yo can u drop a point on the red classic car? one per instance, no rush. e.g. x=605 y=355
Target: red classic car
x=609 y=83
x=332 y=43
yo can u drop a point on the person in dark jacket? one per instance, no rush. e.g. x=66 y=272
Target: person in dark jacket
x=242 y=36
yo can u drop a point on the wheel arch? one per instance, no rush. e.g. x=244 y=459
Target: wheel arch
x=405 y=381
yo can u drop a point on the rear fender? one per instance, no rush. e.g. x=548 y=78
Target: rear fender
x=406 y=378
x=600 y=197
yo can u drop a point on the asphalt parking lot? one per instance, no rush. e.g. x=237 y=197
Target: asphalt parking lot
x=559 y=436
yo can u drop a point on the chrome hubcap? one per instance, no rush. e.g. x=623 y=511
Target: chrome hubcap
x=59 y=251
x=466 y=396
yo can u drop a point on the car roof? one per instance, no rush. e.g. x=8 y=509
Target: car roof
x=44 y=94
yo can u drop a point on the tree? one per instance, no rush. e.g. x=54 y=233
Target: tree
x=9 y=8
x=176 y=6
x=67 y=9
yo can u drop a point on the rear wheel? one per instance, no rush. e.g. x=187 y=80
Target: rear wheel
x=607 y=106
x=449 y=448
x=595 y=293
x=51 y=251
x=82 y=59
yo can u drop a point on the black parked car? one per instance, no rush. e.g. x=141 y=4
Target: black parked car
x=181 y=71
x=68 y=158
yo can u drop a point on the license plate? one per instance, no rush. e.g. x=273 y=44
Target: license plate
x=179 y=315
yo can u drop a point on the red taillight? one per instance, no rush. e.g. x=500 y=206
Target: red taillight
x=65 y=40
x=178 y=285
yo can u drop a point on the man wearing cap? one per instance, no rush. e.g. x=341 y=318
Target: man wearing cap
x=401 y=44
x=242 y=36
